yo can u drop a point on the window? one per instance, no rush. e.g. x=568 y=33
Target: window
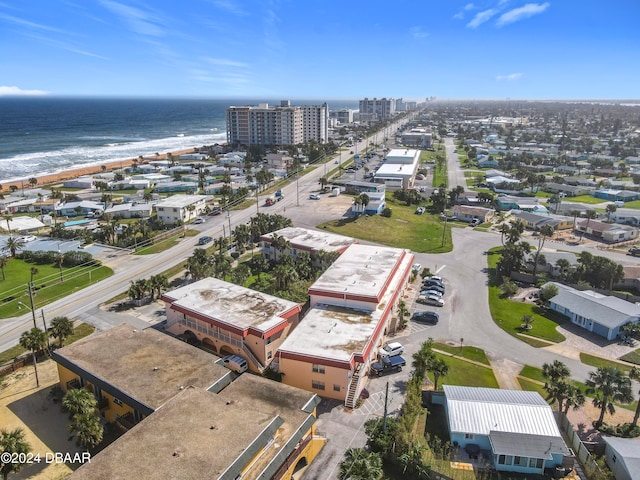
x=520 y=461
x=336 y=387
x=502 y=459
x=317 y=385
x=468 y=436
x=317 y=368
x=614 y=458
x=269 y=355
x=117 y=401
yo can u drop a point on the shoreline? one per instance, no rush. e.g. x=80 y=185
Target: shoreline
x=53 y=178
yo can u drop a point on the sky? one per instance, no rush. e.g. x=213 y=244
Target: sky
x=488 y=49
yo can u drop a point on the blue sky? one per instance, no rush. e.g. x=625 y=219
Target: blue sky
x=557 y=49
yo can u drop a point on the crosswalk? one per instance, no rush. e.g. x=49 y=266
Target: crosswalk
x=374 y=405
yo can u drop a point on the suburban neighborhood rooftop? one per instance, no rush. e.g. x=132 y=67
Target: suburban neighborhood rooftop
x=313 y=240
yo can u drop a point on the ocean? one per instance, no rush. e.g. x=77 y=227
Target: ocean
x=47 y=135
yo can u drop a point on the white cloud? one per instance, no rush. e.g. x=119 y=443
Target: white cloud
x=6 y=91
x=466 y=8
x=469 y=6
x=510 y=77
x=30 y=25
x=226 y=62
x=139 y=21
x=482 y=17
x=417 y=32
x=230 y=6
x=520 y=13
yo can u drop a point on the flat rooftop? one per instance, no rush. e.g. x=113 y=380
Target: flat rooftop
x=199 y=433
x=147 y=365
x=179 y=201
x=338 y=331
x=313 y=240
x=395 y=169
x=232 y=304
x=401 y=153
x=361 y=270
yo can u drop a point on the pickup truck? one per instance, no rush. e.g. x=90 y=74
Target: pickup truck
x=387 y=365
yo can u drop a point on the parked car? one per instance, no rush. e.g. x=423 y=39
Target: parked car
x=204 y=240
x=432 y=291
x=475 y=222
x=426 y=283
x=313 y=196
x=434 y=277
x=391 y=349
x=426 y=317
x=235 y=363
x=416 y=267
x=635 y=251
x=198 y=221
x=430 y=300
x=216 y=211
x=27 y=238
x=437 y=288
x=387 y=365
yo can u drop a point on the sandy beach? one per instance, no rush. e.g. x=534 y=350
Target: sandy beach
x=79 y=172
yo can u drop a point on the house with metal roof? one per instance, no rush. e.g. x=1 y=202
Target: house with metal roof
x=597 y=313
x=608 y=232
x=467 y=213
x=623 y=457
x=515 y=430
x=534 y=221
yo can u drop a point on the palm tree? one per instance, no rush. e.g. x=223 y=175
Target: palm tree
x=421 y=360
x=60 y=261
x=546 y=231
x=439 y=368
x=574 y=398
x=402 y=312
x=156 y=284
x=284 y=275
x=13 y=244
x=364 y=198
x=260 y=263
x=138 y=289
x=240 y=274
x=78 y=401
x=13 y=442
x=574 y=214
x=33 y=181
x=634 y=374
x=323 y=182
x=34 y=340
x=360 y=465
x=611 y=207
x=563 y=265
x=609 y=385
x=61 y=328
x=198 y=264
x=88 y=428
x=555 y=371
x=590 y=214
x=3 y=263
x=33 y=271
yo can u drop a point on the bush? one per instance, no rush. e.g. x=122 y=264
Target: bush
x=38 y=257
x=386 y=212
x=624 y=430
x=73 y=259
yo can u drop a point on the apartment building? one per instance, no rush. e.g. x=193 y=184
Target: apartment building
x=377 y=108
x=264 y=124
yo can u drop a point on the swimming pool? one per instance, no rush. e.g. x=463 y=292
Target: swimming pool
x=75 y=222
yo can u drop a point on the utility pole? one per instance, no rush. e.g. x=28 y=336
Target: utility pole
x=384 y=416
x=44 y=322
x=33 y=312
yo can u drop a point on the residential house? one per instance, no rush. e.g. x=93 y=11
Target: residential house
x=566 y=208
x=229 y=319
x=180 y=208
x=528 y=204
x=173 y=187
x=514 y=430
x=486 y=162
x=623 y=457
x=584 y=182
x=567 y=190
x=77 y=208
x=355 y=187
x=608 y=232
x=129 y=210
x=278 y=161
x=626 y=216
x=352 y=309
x=550 y=261
x=185 y=408
x=534 y=221
x=597 y=313
x=631 y=278
x=467 y=213
x=21 y=224
x=377 y=203
x=80 y=182
x=615 y=195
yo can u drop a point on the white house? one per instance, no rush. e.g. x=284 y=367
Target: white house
x=623 y=457
x=516 y=430
x=180 y=208
x=597 y=313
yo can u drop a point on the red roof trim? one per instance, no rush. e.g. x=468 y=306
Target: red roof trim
x=317 y=360
x=212 y=321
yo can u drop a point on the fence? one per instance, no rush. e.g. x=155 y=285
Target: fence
x=580 y=450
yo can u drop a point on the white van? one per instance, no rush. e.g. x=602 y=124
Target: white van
x=235 y=363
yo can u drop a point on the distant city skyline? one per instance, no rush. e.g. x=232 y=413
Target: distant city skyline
x=490 y=49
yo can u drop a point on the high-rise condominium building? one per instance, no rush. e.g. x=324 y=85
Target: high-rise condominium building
x=377 y=108
x=277 y=125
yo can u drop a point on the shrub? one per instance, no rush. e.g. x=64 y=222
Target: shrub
x=625 y=430
x=386 y=212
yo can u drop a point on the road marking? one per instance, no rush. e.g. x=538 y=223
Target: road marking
x=441 y=268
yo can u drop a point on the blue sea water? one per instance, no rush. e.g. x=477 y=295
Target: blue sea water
x=47 y=135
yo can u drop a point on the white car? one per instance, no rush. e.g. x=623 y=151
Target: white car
x=430 y=300
x=391 y=349
x=313 y=196
x=416 y=267
x=198 y=220
x=27 y=238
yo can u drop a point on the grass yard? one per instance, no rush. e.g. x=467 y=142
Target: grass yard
x=530 y=386
x=634 y=204
x=440 y=175
x=159 y=247
x=632 y=357
x=603 y=362
x=508 y=314
x=467 y=374
x=48 y=286
x=470 y=353
x=534 y=373
x=405 y=229
x=81 y=331
x=588 y=199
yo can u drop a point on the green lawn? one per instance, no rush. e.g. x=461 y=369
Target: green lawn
x=467 y=374
x=161 y=246
x=81 y=331
x=532 y=387
x=634 y=204
x=405 y=229
x=440 y=175
x=48 y=286
x=588 y=199
x=508 y=314
x=632 y=357
x=602 y=362
x=534 y=373
x=471 y=353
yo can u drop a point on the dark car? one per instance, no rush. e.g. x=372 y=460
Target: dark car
x=426 y=317
x=438 y=288
x=204 y=240
x=428 y=282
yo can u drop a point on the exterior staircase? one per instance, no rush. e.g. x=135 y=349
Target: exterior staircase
x=354 y=388
x=252 y=358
